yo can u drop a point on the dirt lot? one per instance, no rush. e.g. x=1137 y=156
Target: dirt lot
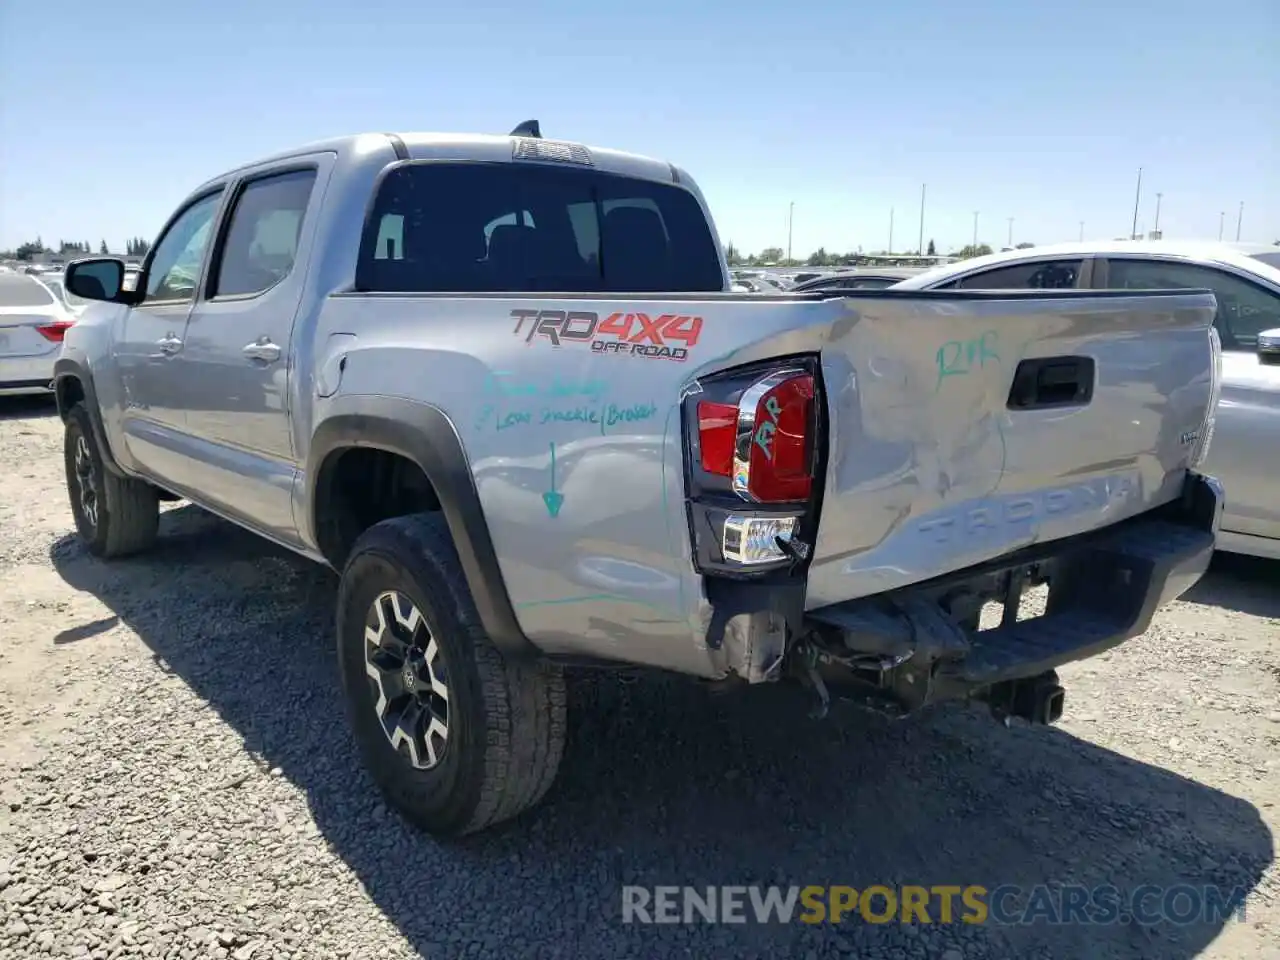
x=176 y=779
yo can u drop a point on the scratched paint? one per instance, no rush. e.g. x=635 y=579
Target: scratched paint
x=958 y=358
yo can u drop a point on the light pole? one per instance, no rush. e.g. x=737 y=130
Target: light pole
x=791 y=213
x=1222 y=219
x=1010 y=231
x=920 y=243
x=891 y=229
x=1239 y=220
x=1137 y=196
x=1156 y=228
x=1081 y=231
x=975 y=233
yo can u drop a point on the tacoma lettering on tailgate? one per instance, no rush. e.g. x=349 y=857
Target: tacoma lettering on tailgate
x=1029 y=509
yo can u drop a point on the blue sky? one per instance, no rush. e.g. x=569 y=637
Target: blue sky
x=111 y=113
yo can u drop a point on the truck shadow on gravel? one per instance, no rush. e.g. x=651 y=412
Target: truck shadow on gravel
x=664 y=783
x=1237 y=582
x=26 y=408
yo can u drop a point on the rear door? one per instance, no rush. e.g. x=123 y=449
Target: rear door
x=1245 y=452
x=235 y=363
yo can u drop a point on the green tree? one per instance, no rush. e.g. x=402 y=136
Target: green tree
x=772 y=255
x=969 y=250
x=731 y=254
x=102 y=248
x=1024 y=246
x=30 y=249
x=818 y=258
x=933 y=251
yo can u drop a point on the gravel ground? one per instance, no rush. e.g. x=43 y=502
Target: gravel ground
x=176 y=779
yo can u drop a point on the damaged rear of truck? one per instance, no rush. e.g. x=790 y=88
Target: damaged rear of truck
x=857 y=504
x=830 y=489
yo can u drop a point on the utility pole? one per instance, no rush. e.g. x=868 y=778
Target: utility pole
x=1137 y=196
x=1222 y=219
x=975 y=232
x=1239 y=220
x=791 y=214
x=1156 y=228
x=1010 y=231
x=920 y=244
x=1081 y=231
x=891 y=230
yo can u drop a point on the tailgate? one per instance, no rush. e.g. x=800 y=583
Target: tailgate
x=20 y=336
x=937 y=461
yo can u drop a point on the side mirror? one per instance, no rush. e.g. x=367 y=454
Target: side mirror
x=97 y=278
x=1269 y=347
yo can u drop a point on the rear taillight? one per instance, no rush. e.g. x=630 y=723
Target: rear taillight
x=764 y=443
x=754 y=456
x=717 y=436
x=773 y=460
x=54 y=332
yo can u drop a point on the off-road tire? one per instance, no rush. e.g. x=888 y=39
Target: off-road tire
x=506 y=717
x=127 y=510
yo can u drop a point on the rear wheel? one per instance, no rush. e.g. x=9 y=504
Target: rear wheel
x=457 y=736
x=115 y=516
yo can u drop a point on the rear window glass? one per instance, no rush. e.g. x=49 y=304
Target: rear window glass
x=22 y=291
x=498 y=227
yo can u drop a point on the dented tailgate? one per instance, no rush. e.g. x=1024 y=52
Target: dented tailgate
x=965 y=427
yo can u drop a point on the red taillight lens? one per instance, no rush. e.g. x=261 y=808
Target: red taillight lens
x=55 y=331
x=717 y=434
x=779 y=460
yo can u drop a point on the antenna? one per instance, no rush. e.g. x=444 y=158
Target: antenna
x=529 y=128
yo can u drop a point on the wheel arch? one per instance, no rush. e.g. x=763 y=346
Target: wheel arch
x=423 y=435
x=72 y=384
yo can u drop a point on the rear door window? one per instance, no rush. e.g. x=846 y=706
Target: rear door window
x=1244 y=309
x=1037 y=275
x=511 y=227
x=262 y=240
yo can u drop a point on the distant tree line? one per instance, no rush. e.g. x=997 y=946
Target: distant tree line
x=776 y=256
x=133 y=247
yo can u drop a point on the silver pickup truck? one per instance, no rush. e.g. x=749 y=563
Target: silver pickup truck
x=501 y=384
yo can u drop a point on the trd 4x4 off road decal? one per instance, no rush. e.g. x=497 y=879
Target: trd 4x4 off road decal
x=631 y=334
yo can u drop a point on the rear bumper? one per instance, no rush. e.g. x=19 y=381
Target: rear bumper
x=922 y=644
x=27 y=374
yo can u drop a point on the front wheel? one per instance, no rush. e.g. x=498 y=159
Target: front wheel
x=456 y=735
x=115 y=516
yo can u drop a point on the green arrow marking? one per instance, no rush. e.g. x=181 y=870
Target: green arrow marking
x=551 y=498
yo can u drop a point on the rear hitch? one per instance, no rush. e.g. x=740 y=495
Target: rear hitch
x=1039 y=699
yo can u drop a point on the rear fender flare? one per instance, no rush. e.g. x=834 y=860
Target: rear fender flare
x=424 y=434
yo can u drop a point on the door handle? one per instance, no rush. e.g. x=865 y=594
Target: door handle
x=169 y=344
x=262 y=349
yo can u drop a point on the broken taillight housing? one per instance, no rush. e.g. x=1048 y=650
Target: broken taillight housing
x=764 y=442
x=754 y=447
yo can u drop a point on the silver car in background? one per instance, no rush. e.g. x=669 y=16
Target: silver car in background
x=1245 y=450
x=33 y=322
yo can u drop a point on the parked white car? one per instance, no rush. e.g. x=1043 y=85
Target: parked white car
x=33 y=322
x=1245 y=449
